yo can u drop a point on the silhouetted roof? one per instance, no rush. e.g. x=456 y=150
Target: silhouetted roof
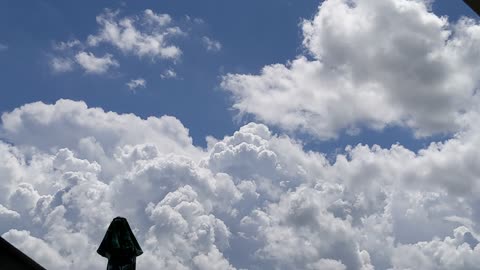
x=474 y=4
x=13 y=258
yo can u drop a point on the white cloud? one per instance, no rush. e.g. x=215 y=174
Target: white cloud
x=182 y=223
x=258 y=200
x=7 y=213
x=372 y=63
x=211 y=45
x=94 y=64
x=60 y=64
x=3 y=47
x=93 y=130
x=136 y=83
x=157 y=19
x=64 y=45
x=36 y=248
x=449 y=253
x=146 y=35
x=168 y=74
x=252 y=200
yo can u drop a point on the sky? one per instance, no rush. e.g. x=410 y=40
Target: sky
x=336 y=134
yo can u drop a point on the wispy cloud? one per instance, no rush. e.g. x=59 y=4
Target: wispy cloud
x=145 y=35
x=61 y=64
x=64 y=45
x=211 y=45
x=3 y=47
x=96 y=65
x=136 y=83
x=168 y=74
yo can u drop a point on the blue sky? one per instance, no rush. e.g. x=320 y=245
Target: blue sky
x=345 y=132
x=194 y=98
x=252 y=34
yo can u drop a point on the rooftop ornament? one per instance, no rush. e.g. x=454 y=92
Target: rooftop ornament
x=120 y=246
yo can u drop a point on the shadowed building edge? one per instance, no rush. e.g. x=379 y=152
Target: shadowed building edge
x=12 y=258
x=474 y=4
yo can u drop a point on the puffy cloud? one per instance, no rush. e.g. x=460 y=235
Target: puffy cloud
x=255 y=199
x=36 y=248
x=211 y=45
x=25 y=197
x=449 y=253
x=8 y=218
x=252 y=200
x=151 y=39
x=7 y=213
x=415 y=68
x=185 y=233
x=146 y=35
x=91 y=131
x=157 y=19
x=136 y=83
x=94 y=64
x=300 y=234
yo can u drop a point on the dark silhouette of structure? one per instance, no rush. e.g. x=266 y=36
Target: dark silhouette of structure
x=474 y=4
x=13 y=259
x=120 y=246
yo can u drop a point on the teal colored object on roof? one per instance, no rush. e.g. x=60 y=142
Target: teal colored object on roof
x=120 y=246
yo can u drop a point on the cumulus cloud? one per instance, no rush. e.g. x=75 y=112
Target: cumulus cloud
x=211 y=45
x=252 y=200
x=95 y=65
x=368 y=63
x=93 y=130
x=145 y=36
x=442 y=254
x=36 y=248
x=255 y=199
x=136 y=83
x=148 y=35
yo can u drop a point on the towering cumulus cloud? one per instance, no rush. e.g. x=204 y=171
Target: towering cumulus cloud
x=414 y=68
x=253 y=200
